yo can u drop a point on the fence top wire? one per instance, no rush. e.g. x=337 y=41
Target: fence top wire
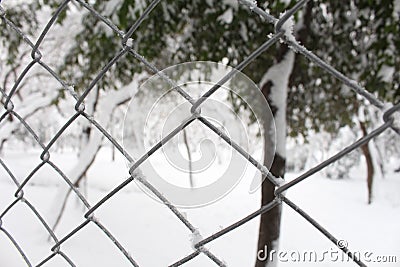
x=390 y=117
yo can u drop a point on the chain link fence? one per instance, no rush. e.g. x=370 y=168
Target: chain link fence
x=390 y=121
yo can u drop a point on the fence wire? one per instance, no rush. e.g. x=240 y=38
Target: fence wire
x=389 y=121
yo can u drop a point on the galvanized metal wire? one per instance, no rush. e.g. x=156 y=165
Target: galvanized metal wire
x=89 y=217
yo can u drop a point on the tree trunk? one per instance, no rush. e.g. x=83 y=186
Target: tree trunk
x=89 y=150
x=186 y=141
x=368 y=159
x=274 y=89
x=269 y=230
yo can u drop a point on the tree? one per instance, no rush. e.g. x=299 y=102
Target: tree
x=32 y=101
x=236 y=33
x=367 y=32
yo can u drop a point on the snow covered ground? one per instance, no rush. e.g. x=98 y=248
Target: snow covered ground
x=155 y=237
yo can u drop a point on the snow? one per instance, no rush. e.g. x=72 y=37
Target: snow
x=288 y=28
x=279 y=75
x=344 y=198
x=111 y=7
x=129 y=42
x=106 y=107
x=386 y=73
x=155 y=237
x=195 y=238
x=227 y=16
x=252 y=3
x=396 y=9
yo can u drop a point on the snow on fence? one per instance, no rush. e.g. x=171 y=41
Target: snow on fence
x=282 y=33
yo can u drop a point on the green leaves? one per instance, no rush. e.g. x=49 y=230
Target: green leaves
x=361 y=38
